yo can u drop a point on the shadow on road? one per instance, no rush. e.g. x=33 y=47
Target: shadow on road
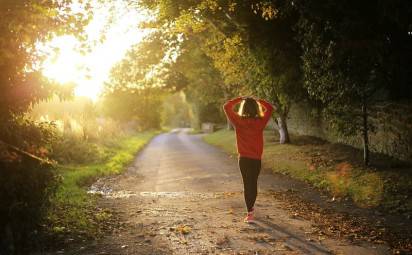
x=306 y=246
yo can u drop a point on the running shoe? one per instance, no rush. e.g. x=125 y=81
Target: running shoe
x=249 y=217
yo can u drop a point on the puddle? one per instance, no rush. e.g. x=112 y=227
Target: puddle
x=109 y=193
x=178 y=194
x=99 y=190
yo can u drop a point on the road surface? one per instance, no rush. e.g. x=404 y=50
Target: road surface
x=183 y=196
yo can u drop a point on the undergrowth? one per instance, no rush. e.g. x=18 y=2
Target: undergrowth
x=73 y=210
x=332 y=167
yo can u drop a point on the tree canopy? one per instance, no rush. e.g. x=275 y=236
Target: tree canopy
x=342 y=56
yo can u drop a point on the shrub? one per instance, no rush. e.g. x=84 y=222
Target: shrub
x=68 y=149
x=27 y=181
x=26 y=185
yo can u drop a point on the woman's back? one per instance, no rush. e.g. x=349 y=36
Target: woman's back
x=249 y=137
x=249 y=130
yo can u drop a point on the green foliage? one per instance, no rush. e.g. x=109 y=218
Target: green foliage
x=79 y=120
x=348 y=59
x=176 y=111
x=231 y=40
x=205 y=89
x=348 y=55
x=387 y=188
x=345 y=55
x=72 y=210
x=28 y=180
x=248 y=57
x=135 y=91
x=26 y=134
x=340 y=67
x=57 y=109
x=27 y=184
x=70 y=149
x=25 y=23
x=141 y=67
x=224 y=139
x=142 y=106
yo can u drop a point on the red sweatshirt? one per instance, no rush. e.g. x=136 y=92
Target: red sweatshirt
x=249 y=131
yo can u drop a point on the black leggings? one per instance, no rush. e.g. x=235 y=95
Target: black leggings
x=250 y=169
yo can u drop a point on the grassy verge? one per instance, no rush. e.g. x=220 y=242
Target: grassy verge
x=73 y=211
x=335 y=168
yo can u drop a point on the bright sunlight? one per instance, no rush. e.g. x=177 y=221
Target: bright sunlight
x=111 y=32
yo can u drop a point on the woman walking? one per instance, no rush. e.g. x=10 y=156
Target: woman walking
x=249 y=123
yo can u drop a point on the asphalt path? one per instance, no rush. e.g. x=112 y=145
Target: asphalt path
x=183 y=196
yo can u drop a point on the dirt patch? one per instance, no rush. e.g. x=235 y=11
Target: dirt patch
x=328 y=222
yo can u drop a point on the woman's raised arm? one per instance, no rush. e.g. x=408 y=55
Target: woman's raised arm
x=230 y=113
x=268 y=110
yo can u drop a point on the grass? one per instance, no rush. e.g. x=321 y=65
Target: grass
x=73 y=210
x=335 y=168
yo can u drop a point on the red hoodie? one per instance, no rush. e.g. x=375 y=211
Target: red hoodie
x=249 y=131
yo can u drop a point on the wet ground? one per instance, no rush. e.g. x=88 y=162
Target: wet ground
x=183 y=196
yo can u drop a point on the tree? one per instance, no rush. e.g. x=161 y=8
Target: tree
x=203 y=87
x=347 y=60
x=24 y=24
x=135 y=90
x=176 y=111
x=143 y=106
x=234 y=35
x=23 y=149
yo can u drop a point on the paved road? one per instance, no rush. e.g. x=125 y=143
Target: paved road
x=183 y=196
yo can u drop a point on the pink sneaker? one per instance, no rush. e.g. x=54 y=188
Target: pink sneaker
x=249 y=217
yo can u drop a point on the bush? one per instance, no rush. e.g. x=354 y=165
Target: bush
x=72 y=211
x=74 y=150
x=27 y=181
x=26 y=185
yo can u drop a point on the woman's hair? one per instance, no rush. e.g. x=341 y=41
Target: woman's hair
x=249 y=108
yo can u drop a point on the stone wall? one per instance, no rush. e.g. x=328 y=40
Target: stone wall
x=393 y=134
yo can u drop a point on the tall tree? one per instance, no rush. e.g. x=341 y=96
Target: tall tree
x=135 y=90
x=204 y=84
x=24 y=24
x=347 y=58
x=234 y=35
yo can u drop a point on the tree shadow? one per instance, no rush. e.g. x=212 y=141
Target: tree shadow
x=291 y=240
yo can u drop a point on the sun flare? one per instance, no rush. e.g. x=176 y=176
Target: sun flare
x=117 y=25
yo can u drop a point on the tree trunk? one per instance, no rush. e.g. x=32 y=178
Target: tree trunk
x=365 y=132
x=283 y=130
x=85 y=137
x=229 y=125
